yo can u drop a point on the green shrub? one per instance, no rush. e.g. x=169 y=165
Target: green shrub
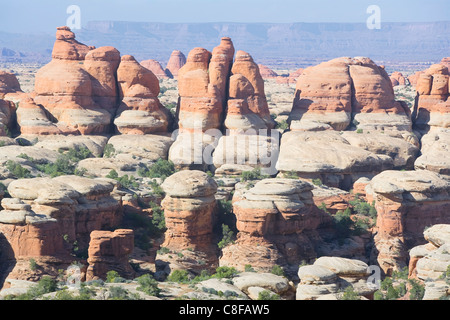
x=126 y=181
x=179 y=276
x=268 y=295
x=228 y=236
x=277 y=270
x=417 y=290
x=249 y=268
x=290 y=175
x=109 y=151
x=148 y=285
x=119 y=293
x=17 y=170
x=160 y=169
x=317 y=182
x=45 y=285
x=349 y=294
x=111 y=276
x=225 y=272
x=255 y=174
x=282 y=125
x=66 y=163
x=33 y=264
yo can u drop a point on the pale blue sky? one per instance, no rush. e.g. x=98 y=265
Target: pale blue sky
x=35 y=16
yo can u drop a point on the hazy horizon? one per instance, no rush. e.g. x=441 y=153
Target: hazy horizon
x=45 y=15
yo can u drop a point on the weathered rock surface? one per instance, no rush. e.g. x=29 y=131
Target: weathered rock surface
x=188 y=209
x=343 y=90
x=328 y=156
x=176 y=61
x=66 y=90
x=435 y=152
x=140 y=111
x=44 y=217
x=430 y=262
x=406 y=203
x=329 y=276
x=110 y=250
x=397 y=79
x=155 y=67
x=266 y=72
x=431 y=108
x=8 y=83
x=273 y=219
x=102 y=64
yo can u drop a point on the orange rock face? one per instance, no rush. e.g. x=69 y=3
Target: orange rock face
x=406 y=203
x=266 y=72
x=188 y=210
x=336 y=91
x=176 y=61
x=110 y=251
x=155 y=67
x=67 y=90
x=7 y=112
x=45 y=217
x=67 y=48
x=8 y=83
x=102 y=64
x=247 y=86
x=140 y=111
x=432 y=105
x=397 y=79
x=273 y=218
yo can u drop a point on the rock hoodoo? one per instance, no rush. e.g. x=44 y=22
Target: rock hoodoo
x=188 y=209
x=176 y=61
x=406 y=203
x=274 y=219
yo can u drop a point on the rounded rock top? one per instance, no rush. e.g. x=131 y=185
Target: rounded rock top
x=189 y=184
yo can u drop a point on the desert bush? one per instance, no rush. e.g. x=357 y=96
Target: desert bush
x=148 y=285
x=255 y=174
x=160 y=169
x=17 y=170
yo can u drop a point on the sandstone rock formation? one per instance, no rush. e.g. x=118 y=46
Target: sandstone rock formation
x=397 y=79
x=45 y=217
x=266 y=72
x=414 y=78
x=7 y=116
x=102 y=64
x=435 y=152
x=241 y=87
x=335 y=93
x=432 y=103
x=8 y=83
x=328 y=156
x=155 y=67
x=430 y=262
x=274 y=219
x=176 y=61
x=110 y=250
x=291 y=78
x=65 y=89
x=328 y=277
x=406 y=203
x=140 y=111
x=188 y=209
x=251 y=150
